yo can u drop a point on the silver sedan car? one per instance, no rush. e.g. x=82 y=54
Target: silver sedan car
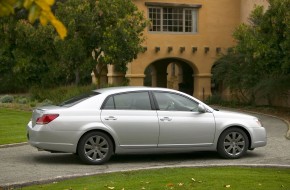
x=144 y=120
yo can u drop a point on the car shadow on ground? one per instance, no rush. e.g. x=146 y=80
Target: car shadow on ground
x=167 y=158
x=164 y=157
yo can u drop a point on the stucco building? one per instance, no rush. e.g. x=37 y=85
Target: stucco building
x=183 y=42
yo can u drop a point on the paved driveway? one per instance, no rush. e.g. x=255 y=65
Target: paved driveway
x=24 y=164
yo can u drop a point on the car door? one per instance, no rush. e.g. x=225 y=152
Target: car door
x=181 y=125
x=131 y=117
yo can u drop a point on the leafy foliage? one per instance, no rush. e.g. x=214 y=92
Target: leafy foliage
x=38 y=9
x=34 y=56
x=59 y=94
x=6 y=99
x=259 y=66
x=120 y=34
x=75 y=52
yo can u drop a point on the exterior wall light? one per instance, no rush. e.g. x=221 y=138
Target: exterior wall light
x=182 y=49
x=144 y=49
x=194 y=49
x=206 y=49
x=157 y=49
x=169 y=49
x=218 y=49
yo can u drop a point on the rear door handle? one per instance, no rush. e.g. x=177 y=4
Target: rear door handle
x=165 y=119
x=110 y=118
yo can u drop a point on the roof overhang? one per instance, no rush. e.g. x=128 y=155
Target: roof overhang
x=158 y=4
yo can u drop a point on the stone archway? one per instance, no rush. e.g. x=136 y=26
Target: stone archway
x=172 y=73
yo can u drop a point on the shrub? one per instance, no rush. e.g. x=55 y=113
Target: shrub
x=60 y=94
x=46 y=102
x=214 y=99
x=22 y=101
x=6 y=99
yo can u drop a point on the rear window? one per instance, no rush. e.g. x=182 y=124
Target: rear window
x=78 y=99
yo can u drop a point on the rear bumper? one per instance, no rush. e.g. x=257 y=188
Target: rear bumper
x=42 y=138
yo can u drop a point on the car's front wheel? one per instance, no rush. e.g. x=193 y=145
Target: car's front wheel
x=233 y=143
x=95 y=148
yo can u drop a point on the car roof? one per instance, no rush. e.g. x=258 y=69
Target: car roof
x=120 y=89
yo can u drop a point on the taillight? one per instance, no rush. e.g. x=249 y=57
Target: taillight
x=46 y=118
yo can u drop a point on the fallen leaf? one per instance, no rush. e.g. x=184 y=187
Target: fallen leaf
x=143 y=188
x=180 y=184
x=111 y=187
x=170 y=185
x=199 y=181
x=227 y=186
x=192 y=179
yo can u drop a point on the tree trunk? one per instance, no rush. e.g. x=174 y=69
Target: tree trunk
x=98 y=73
x=77 y=77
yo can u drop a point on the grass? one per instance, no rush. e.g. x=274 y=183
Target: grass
x=13 y=125
x=181 y=179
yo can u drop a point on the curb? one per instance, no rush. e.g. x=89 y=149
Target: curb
x=13 y=145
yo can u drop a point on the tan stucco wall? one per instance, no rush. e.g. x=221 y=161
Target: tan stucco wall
x=248 y=5
x=216 y=22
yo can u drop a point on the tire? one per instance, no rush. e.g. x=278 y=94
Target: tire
x=95 y=148
x=233 y=143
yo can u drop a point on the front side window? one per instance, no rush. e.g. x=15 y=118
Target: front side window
x=129 y=101
x=170 y=101
x=173 y=19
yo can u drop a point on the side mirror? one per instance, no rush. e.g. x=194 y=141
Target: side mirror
x=201 y=108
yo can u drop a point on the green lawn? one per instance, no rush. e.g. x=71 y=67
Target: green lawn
x=181 y=179
x=13 y=125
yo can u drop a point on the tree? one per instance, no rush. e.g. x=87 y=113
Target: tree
x=38 y=9
x=80 y=17
x=120 y=34
x=27 y=55
x=37 y=57
x=263 y=48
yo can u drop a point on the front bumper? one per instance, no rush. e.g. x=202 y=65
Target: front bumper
x=259 y=137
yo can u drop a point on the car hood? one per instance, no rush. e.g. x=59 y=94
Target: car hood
x=232 y=114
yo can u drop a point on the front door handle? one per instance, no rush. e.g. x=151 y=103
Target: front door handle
x=110 y=118
x=165 y=119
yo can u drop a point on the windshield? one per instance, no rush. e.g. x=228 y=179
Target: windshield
x=78 y=99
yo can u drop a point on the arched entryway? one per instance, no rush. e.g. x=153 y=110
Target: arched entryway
x=172 y=73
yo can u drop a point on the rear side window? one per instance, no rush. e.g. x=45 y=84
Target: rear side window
x=129 y=101
x=78 y=99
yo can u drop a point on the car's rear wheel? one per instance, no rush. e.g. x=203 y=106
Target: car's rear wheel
x=95 y=148
x=233 y=143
